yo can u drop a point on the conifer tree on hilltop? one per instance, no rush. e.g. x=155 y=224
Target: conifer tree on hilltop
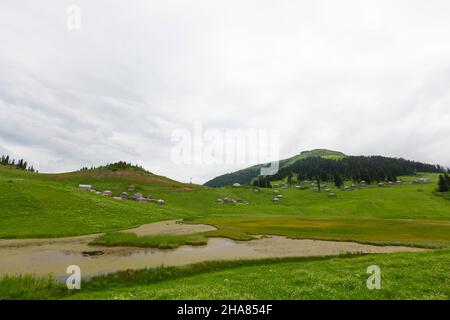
x=21 y=163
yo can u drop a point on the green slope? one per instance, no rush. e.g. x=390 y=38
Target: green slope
x=51 y=205
x=245 y=176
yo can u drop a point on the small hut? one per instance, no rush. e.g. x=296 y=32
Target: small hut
x=332 y=195
x=86 y=187
x=421 y=181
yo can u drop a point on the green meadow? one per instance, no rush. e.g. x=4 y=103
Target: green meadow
x=51 y=205
x=43 y=205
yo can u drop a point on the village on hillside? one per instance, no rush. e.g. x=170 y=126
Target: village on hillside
x=138 y=197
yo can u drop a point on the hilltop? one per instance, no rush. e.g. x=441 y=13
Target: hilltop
x=121 y=171
x=245 y=176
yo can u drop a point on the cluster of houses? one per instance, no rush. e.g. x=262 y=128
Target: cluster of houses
x=227 y=200
x=277 y=196
x=138 y=197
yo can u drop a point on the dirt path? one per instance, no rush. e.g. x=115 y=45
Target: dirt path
x=44 y=256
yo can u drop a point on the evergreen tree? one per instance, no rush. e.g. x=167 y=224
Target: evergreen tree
x=289 y=178
x=338 y=182
x=21 y=163
x=447 y=178
x=262 y=182
x=443 y=184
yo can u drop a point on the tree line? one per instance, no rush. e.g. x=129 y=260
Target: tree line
x=116 y=166
x=18 y=164
x=353 y=168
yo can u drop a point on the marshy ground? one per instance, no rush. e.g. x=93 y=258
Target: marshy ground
x=52 y=256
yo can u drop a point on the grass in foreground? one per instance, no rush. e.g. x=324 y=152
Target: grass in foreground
x=130 y=239
x=27 y=287
x=424 y=275
x=404 y=276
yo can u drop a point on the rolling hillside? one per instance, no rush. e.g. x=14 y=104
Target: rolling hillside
x=52 y=205
x=245 y=176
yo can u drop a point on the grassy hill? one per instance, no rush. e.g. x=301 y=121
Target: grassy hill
x=51 y=205
x=245 y=176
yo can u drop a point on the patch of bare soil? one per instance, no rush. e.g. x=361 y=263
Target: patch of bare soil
x=173 y=227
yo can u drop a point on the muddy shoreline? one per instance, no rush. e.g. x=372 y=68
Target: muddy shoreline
x=53 y=256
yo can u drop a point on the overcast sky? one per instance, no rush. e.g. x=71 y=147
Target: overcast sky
x=362 y=77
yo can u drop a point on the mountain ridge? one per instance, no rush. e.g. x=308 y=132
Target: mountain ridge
x=246 y=175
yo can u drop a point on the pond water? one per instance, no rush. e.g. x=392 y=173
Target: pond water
x=53 y=256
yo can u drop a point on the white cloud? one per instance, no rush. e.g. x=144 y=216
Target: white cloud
x=363 y=77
